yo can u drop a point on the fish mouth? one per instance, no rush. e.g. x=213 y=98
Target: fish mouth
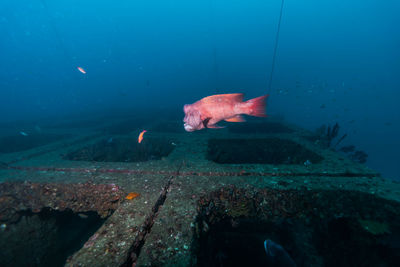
x=188 y=127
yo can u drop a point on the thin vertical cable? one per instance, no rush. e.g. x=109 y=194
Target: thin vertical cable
x=275 y=48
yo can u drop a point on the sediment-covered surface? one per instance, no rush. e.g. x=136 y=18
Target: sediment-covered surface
x=197 y=201
x=16 y=198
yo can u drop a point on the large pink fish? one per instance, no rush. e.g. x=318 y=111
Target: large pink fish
x=207 y=112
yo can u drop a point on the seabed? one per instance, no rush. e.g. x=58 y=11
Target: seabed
x=207 y=198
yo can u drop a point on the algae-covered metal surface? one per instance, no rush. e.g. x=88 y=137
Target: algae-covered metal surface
x=207 y=198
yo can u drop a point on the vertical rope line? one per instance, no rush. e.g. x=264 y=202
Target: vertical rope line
x=275 y=48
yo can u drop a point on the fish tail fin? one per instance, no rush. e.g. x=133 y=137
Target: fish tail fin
x=256 y=106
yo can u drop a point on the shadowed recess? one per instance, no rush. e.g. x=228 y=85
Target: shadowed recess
x=261 y=151
x=46 y=238
x=123 y=150
x=315 y=228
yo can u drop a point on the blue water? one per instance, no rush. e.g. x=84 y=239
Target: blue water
x=337 y=61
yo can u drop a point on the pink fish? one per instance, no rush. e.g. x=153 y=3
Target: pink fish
x=82 y=70
x=207 y=112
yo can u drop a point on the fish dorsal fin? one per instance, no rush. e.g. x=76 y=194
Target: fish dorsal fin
x=232 y=97
x=237 y=118
x=235 y=97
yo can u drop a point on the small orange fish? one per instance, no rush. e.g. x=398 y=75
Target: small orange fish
x=141 y=136
x=132 y=195
x=82 y=70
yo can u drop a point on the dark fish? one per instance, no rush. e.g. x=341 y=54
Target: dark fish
x=277 y=255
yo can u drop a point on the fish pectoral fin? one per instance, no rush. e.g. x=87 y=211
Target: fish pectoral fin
x=206 y=121
x=214 y=126
x=237 y=118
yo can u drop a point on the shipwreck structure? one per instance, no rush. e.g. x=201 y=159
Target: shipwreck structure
x=207 y=198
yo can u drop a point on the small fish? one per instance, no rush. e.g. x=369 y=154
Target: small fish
x=277 y=255
x=322 y=106
x=207 y=112
x=140 y=138
x=281 y=91
x=23 y=133
x=132 y=195
x=81 y=70
x=110 y=140
x=83 y=216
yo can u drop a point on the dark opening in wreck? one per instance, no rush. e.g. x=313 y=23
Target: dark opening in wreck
x=315 y=228
x=123 y=150
x=259 y=151
x=46 y=238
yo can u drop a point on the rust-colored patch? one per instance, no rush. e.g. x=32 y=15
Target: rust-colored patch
x=132 y=195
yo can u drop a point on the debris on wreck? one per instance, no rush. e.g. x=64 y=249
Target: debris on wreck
x=355 y=155
x=359 y=156
x=332 y=133
x=326 y=135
